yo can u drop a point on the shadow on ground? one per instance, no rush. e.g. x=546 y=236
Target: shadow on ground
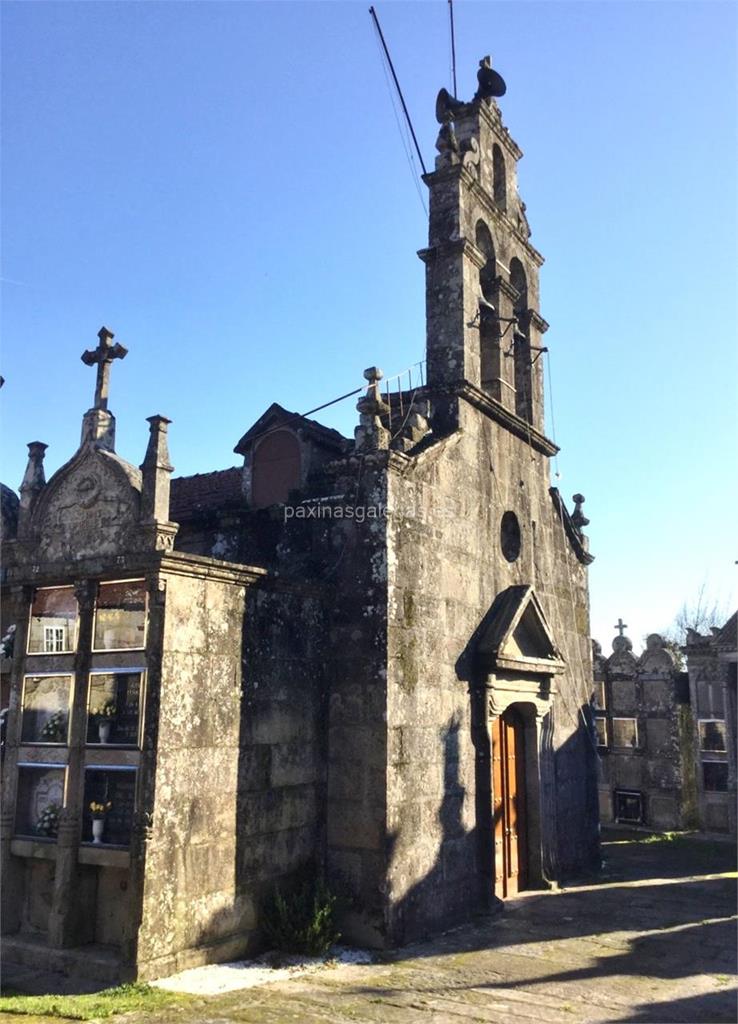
x=650 y=940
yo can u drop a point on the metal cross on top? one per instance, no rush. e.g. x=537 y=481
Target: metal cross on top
x=103 y=355
x=621 y=626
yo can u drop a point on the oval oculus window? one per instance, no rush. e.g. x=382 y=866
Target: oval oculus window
x=510 y=536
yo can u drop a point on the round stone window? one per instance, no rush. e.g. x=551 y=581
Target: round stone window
x=510 y=536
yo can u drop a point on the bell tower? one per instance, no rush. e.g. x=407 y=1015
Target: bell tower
x=483 y=326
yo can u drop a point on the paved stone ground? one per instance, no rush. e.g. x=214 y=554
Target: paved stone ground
x=653 y=940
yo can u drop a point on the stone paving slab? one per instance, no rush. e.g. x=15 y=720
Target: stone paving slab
x=653 y=941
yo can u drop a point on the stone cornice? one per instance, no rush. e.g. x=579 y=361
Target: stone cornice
x=453 y=247
x=134 y=564
x=182 y=564
x=507 y=289
x=538 y=322
x=496 y=411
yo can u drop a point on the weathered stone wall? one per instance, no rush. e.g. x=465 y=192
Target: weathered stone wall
x=711 y=664
x=193 y=908
x=357 y=844
x=280 y=774
x=446 y=568
x=651 y=691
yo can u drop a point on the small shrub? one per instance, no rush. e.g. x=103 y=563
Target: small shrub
x=301 y=919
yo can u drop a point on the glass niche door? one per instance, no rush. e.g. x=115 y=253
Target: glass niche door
x=114 y=704
x=54 y=620
x=120 y=616
x=45 y=708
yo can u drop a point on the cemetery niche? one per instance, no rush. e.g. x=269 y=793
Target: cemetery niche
x=120 y=616
x=109 y=803
x=46 y=709
x=712 y=735
x=114 y=703
x=53 y=626
x=40 y=800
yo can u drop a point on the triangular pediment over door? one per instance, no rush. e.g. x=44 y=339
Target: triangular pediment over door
x=516 y=637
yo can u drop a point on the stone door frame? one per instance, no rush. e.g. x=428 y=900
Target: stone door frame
x=533 y=702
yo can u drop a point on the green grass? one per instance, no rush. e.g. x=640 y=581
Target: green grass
x=661 y=837
x=95 y=1006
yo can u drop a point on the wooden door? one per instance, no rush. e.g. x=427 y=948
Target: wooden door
x=508 y=796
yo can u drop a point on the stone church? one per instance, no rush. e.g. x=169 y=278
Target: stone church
x=371 y=653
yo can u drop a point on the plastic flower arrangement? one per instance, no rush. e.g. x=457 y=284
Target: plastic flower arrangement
x=98 y=810
x=106 y=710
x=48 y=822
x=55 y=728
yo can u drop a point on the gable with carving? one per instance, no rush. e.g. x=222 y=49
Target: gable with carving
x=90 y=507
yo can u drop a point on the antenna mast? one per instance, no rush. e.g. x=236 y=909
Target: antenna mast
x=397 y=86
x=453 y=44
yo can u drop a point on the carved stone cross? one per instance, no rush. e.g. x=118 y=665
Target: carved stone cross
x=103 y=355
x=621 y=626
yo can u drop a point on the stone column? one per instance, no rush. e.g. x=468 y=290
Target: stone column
x=11 y=868
x=67 y=915
x=138 y=942
x=452 y=311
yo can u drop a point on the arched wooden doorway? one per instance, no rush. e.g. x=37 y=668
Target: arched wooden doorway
x=509 y=803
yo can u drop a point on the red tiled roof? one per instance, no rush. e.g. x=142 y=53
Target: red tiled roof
x=204 y=492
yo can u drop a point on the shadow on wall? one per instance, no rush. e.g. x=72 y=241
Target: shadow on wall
x=447 y=893
x=280 y=797
x=460 y=884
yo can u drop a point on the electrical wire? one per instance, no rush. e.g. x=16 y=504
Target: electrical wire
x=402 y=132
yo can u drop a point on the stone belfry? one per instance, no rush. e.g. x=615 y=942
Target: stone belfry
x=483 y=325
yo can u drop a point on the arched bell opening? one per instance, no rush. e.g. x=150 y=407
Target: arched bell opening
x=523 y=370
x=489 y=320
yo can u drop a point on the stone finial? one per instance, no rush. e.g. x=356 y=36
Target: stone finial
x=98 y=424
x=34 y=481
x=621 y=644
x=657 y=657
x=98 y=429
x=447 y=147
x=578 y=517
x=103 y=356
x=371 y=435
x=156 y=471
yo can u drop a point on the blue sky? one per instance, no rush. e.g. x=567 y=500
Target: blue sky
x=224 y=186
